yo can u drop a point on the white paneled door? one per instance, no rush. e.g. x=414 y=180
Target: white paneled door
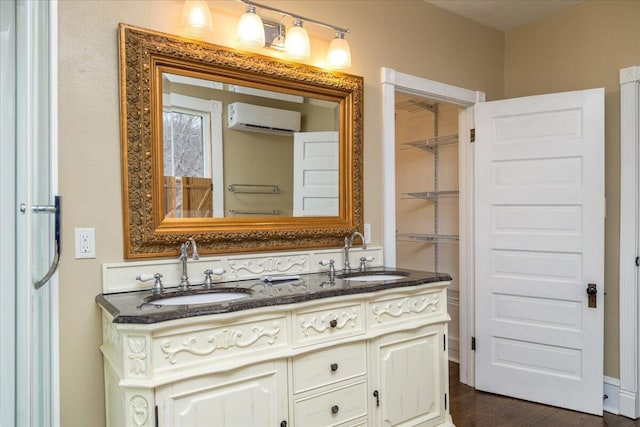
x=539 y=245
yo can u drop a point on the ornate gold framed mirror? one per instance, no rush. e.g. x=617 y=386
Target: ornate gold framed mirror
x=242 y=152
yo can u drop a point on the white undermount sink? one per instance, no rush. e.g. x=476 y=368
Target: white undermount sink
x=375 y=277
x=204 y=298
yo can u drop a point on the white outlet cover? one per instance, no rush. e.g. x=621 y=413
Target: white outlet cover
x=85 y=243
x=367 y=233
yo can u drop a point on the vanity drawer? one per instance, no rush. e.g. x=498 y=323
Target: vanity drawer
x=333 y=407
x=316 y=326
x=320 y=368
x=394 y=309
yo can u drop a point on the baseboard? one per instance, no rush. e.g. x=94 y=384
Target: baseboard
x=628 y=404
x=612 y=395
x=454 y=349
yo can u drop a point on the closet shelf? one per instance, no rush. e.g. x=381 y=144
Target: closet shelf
x=431 y=144
x=429 y=238
x=432 y=195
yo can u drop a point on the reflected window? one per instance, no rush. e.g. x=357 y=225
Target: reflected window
x=183 y=144
x=187 y=163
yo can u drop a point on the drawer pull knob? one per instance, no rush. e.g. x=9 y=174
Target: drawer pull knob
x=335 y=409
x=334 y=367
x=333 y=323
x=283 y=424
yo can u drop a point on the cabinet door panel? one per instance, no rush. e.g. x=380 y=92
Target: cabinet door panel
x=409 y=368
x=254 y=396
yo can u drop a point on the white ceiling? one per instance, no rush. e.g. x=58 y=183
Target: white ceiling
x=504 y=14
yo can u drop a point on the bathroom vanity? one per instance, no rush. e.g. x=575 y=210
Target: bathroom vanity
x=303 y=352
x=312 y=351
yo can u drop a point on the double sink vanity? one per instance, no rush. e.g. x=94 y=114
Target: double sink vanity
x=325 y=346
x=363 y=349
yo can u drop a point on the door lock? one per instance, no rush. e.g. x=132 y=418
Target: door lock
x=592 y=291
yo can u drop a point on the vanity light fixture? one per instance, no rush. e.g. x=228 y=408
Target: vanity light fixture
x=196 y=18
x=296 y=43
x=250 y=32
x=339 y=53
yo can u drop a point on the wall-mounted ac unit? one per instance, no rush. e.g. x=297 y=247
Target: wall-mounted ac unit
x=256 y=118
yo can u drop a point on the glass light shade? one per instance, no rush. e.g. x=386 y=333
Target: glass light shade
x=196 y=17
x=297 y=43
x=250 y=32
x=339 y=53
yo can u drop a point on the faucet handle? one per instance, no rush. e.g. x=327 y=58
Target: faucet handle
x=332 y=268
x=145 y=277
x=363 y=262
x=208 y=281
x=157 y=286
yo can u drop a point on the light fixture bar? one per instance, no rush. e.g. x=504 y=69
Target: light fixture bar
x=302 y=18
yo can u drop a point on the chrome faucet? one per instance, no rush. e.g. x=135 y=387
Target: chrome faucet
x=348 y=244
x=184 y=255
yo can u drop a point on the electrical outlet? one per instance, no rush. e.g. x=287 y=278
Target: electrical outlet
x=85 y=242
x=367 y=233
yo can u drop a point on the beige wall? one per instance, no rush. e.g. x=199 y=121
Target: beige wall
x=410 y=36
x=584 y=47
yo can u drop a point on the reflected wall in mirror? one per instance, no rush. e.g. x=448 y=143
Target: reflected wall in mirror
x=240 y=151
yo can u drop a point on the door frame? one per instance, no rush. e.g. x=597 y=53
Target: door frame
x=629 y=394
x=393 y=81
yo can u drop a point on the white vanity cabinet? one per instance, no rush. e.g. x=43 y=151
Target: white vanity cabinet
x=369 y=359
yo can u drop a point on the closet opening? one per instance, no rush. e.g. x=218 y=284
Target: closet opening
x=427 y=195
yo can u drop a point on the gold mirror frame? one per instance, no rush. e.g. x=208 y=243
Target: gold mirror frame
x=143 y=55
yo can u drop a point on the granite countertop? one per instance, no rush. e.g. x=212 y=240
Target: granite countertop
x=138 y=306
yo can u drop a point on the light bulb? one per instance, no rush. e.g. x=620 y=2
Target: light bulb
x=339 y=53
x=250 y=32
x=196 y=17
x=297 y=43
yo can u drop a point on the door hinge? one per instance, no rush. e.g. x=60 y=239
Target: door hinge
x=473 y=343
x=445 y=342
x=156 y=413
x=472 y=135
x=445 y=401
